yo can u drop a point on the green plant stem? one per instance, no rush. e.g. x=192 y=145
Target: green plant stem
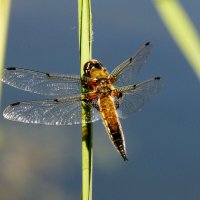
x=181 y=29
x=4 y=19
x=85 y=49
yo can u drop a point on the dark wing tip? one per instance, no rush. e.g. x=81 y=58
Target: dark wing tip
x=147 y=44
x=157 y=78
x=15 y=104
x=11 y=68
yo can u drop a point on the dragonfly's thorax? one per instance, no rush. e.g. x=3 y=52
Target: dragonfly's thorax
x=98 y=76
x=103 y=86
x=102 y=91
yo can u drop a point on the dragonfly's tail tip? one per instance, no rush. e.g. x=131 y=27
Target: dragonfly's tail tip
x=125 y=157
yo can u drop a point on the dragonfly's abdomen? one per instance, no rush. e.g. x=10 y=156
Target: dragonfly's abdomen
x=112 y=124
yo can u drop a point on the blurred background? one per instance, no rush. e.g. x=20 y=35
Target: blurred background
x=44 y=162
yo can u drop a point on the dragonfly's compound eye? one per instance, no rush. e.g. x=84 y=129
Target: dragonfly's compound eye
x=97 y=65
x=91 y=65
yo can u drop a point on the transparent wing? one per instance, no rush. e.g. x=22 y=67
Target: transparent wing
x=42 y=83
x=125 y=73
x=60 y=111
x=134 y=96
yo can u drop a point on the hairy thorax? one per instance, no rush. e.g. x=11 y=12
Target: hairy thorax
x=100 y=82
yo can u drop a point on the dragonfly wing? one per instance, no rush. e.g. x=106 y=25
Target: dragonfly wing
x=134 y=96
x=60 y=111
x=125 y=73
x=42 y=83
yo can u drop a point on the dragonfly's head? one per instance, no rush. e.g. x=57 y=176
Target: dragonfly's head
x=92 y=65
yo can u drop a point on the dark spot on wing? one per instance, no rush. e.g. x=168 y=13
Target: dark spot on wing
x=120 y=95
x=148 y=43
x=157 y=78
x=11 y=68
x=15 y=104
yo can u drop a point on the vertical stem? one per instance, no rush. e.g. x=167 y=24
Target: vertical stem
x=4 y=18
x=85 y=49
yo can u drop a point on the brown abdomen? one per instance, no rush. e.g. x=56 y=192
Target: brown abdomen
x=112 y=124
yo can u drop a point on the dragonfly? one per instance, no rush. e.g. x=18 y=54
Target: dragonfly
x=110 y=96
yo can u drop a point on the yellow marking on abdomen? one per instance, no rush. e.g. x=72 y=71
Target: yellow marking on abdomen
x=112 y=124
x=108 y=112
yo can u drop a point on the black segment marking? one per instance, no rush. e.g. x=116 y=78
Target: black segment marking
x=131 y=59
x=118 y=143
x=116 y=136
x=56 y=100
